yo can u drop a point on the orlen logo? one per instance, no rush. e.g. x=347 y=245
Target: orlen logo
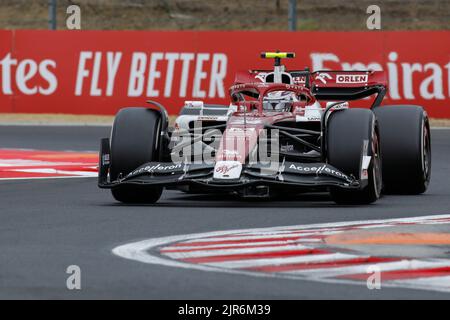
x=352 y=78
x=225 y=169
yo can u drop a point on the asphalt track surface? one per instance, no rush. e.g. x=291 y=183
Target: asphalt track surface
x=47 y=225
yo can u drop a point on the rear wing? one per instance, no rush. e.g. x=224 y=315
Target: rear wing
x=326 y=85
x=348 y=85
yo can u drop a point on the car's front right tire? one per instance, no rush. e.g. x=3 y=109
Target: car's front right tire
x=134 y=141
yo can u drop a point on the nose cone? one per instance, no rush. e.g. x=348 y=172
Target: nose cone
x=239 y=139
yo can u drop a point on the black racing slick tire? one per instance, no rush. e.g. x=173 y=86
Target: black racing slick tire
x=406 y=148
x=348 y=132
x=134 y=141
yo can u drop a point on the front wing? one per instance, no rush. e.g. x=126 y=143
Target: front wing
x=167 y=174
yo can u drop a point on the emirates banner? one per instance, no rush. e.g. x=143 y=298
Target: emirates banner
x=98 y=72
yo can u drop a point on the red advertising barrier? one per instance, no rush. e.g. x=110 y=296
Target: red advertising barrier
x=98 y=72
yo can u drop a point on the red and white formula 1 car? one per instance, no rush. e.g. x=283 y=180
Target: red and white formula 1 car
x=281 y=134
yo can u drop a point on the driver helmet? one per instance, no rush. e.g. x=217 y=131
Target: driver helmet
x=278 y=101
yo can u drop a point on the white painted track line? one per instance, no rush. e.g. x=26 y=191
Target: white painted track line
x=439 y=283
x=203 y=254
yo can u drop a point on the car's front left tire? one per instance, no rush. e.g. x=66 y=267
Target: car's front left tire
x=348 y=132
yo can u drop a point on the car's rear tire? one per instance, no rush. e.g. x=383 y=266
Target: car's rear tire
x=134 y=141
x=406 y=149
x=347 y=132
